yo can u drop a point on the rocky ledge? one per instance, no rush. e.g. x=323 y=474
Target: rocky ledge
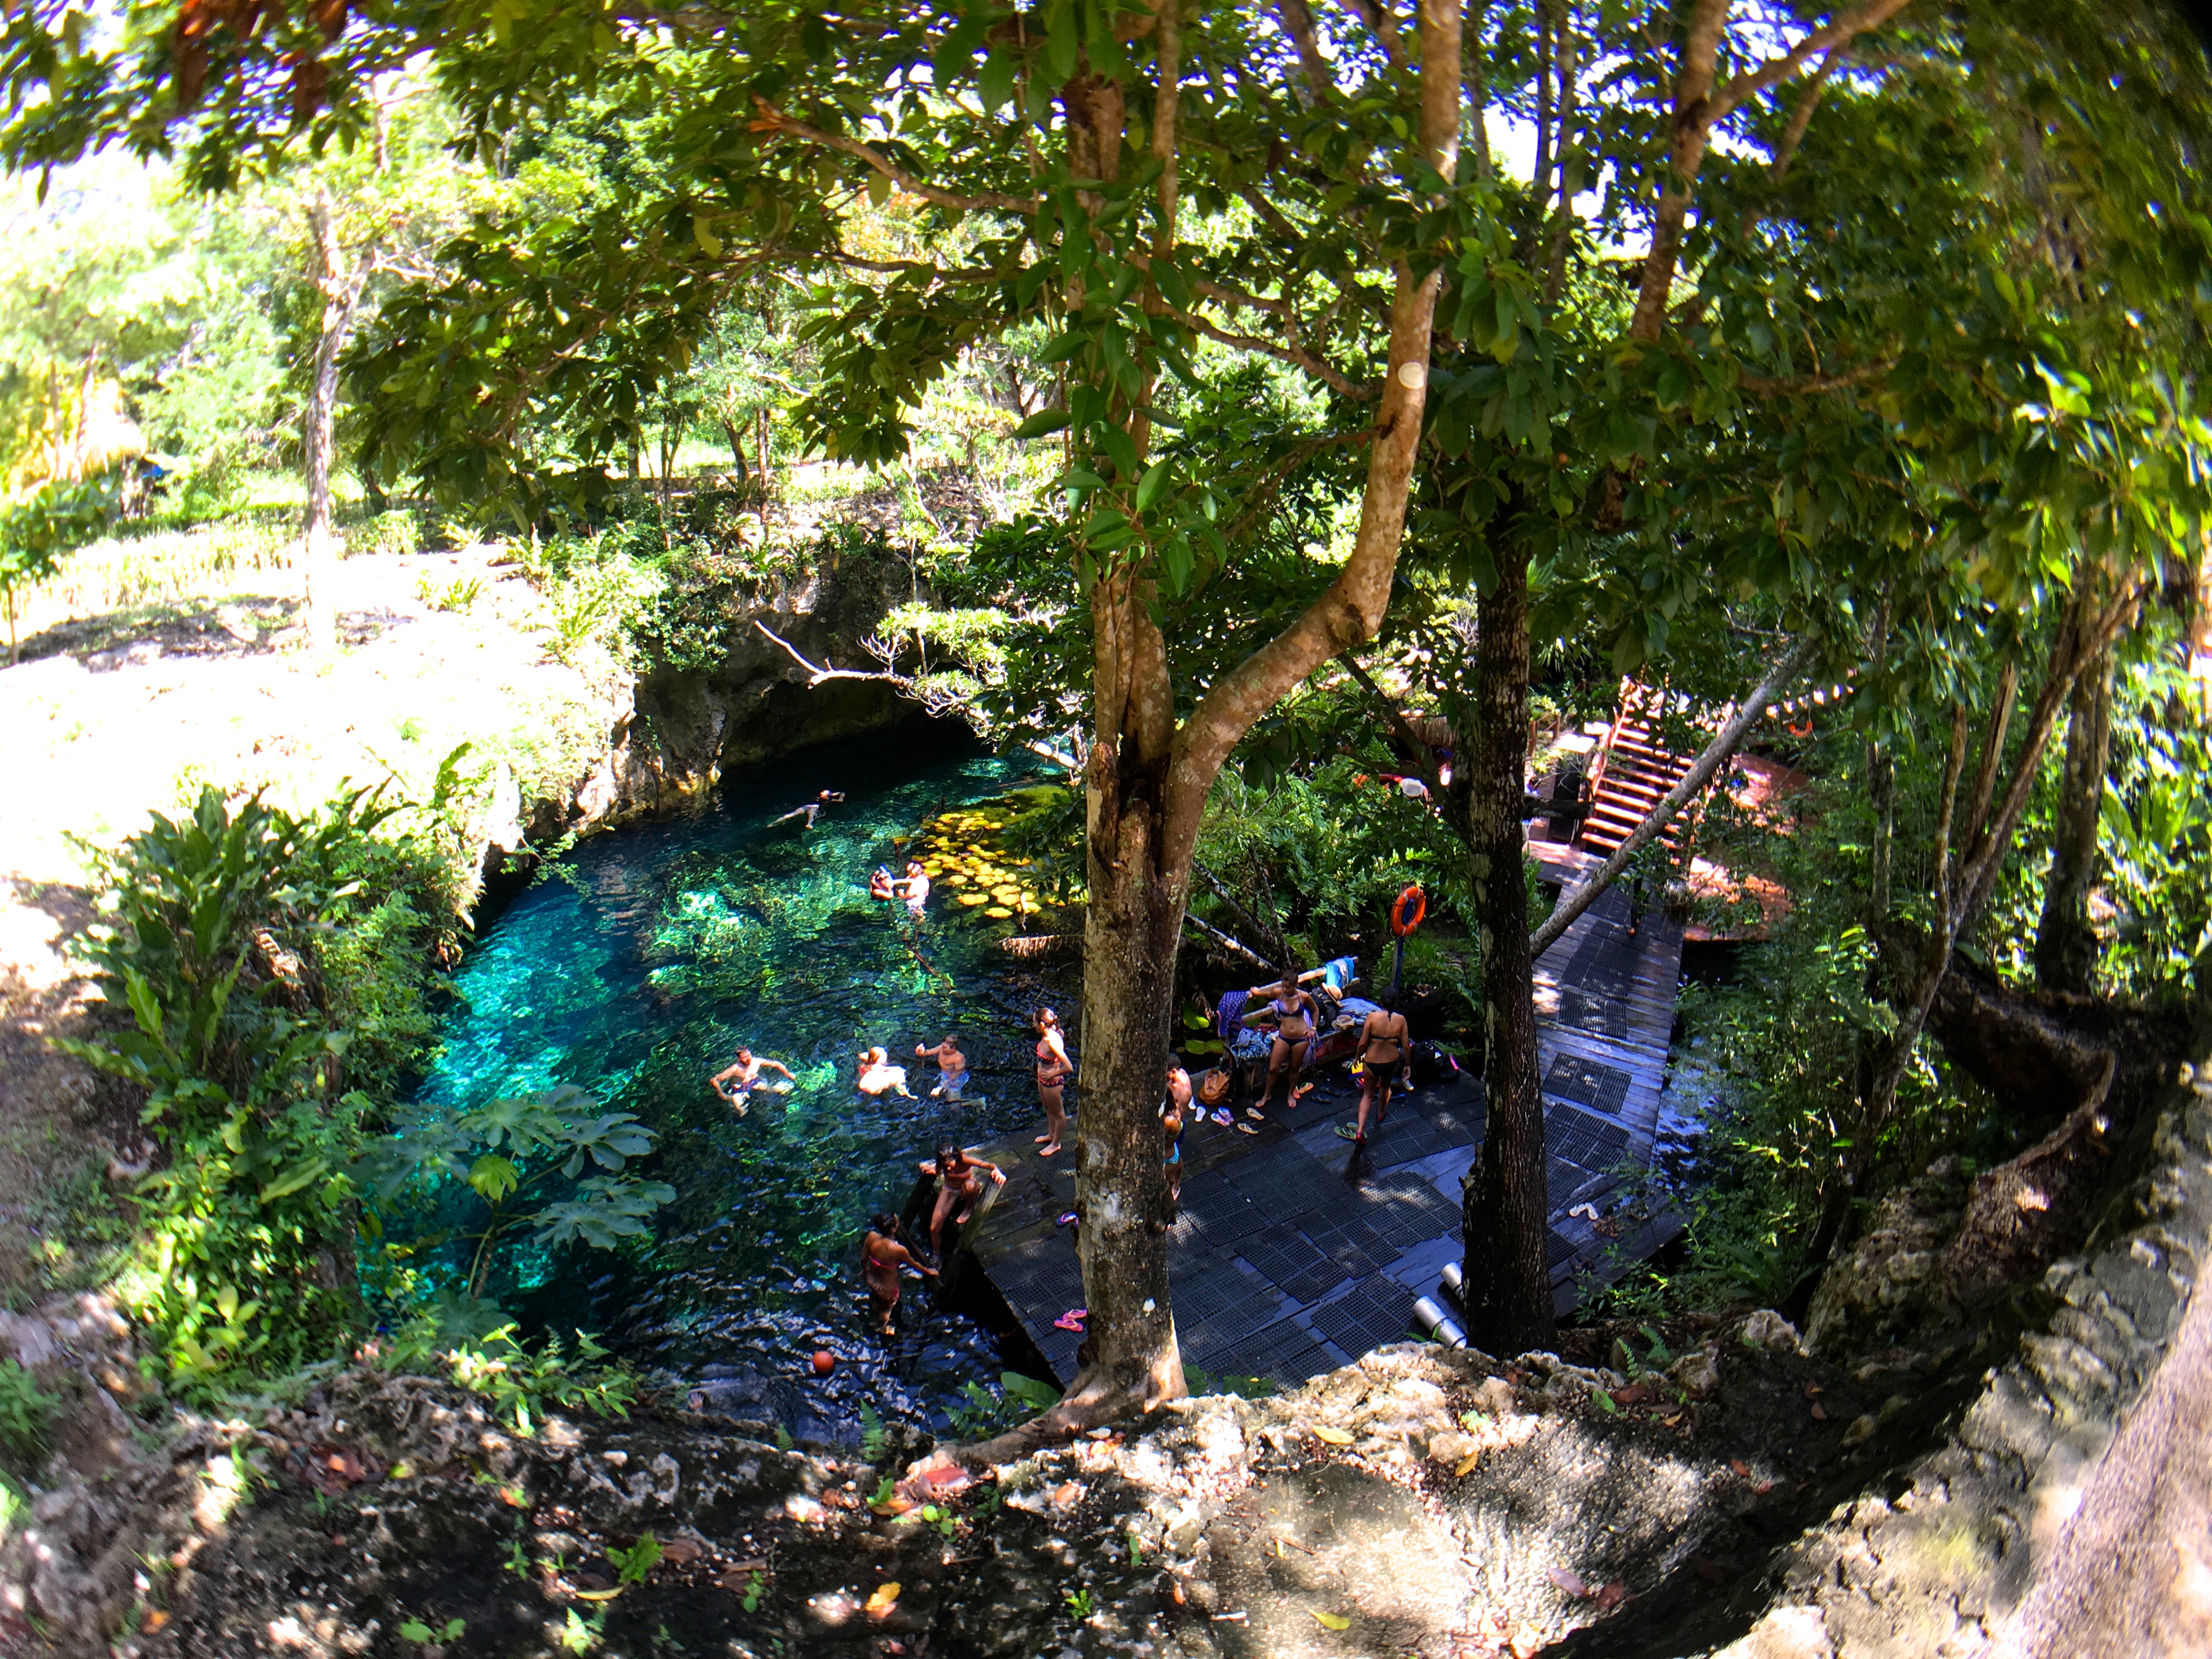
x=1735 y=1494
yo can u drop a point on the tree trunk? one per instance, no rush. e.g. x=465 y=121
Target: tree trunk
x=2066 y=947
x=1507 y=1208
x=737 y=447
x=1131 y=930
x=341 y=291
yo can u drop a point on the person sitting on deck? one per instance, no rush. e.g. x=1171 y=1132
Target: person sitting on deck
x=878 y=1076
x=883 y=1253
x=951 y=1067
x=736 y=1082
x=958 y=1187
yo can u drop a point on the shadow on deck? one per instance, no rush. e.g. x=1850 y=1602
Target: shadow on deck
x=1286 y=1262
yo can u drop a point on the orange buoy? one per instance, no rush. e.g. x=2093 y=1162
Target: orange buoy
x=1405 y=914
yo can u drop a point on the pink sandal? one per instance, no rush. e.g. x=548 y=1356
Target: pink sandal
x=1072 y=1320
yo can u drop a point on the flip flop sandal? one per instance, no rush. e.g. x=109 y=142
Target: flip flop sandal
x=1255 y=1114
x=1246 y=1129
x=1067 y=1220
x=1072 y=1320
x=1347 y=1132
x=1223 y=1117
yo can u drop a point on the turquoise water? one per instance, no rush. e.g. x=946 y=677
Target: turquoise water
x=638 y=972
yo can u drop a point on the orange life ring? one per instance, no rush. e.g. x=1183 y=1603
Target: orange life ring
x=1804 y=730
x=1405 y=914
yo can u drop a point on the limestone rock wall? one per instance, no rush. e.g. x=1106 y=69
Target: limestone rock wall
x=1945 y=1567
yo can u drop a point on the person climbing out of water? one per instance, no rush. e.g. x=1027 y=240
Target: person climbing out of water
x=881 y=885
x=878 y=1076
x=1295 y=1011
x=735 y=1083
x=812 y=810
x=951 y=1067
x=1175 y=1112
x=1054 y=1068
x=959 y=1184
x=915 y=889
x=1382 y=1040
x=883 y=1253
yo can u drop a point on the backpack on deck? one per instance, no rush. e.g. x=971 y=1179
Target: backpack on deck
x=1214 y=1087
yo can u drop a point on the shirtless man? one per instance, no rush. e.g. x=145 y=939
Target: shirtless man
x=812 y=810
x=1382 y=1041
x=951 y=1067
x=915 y=890
x=735 y=1083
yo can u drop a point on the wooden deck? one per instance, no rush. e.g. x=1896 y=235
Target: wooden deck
x=1287 y=1263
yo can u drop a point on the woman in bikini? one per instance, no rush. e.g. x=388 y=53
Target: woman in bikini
x=959 y=1184
x=1381 y=1054
x=1054 y=1068
x=1295 y=1011
x=882 y=1256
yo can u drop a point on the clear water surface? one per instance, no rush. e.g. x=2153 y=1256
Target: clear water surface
x=635 y=975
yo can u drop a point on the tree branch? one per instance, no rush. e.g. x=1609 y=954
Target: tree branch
x=1297 y=23
x=1807 y=385
x=1725 y=744
x=816 y=674
x=1376 y=14
x=772 y=119
x=1298 y=355
x=1751 y=82
x=1424 y=756
x=1353 y=608
x=1264 y=488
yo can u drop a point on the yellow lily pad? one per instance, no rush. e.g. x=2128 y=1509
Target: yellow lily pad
x=973 y=898
x=998 y=913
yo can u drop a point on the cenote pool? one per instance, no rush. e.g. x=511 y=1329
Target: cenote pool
x=637 y=970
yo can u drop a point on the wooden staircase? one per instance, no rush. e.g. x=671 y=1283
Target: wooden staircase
x=1632 y=773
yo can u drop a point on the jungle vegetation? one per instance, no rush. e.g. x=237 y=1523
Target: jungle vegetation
x=1337 y=384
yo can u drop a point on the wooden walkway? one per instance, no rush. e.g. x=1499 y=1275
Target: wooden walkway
x=1287 y=1263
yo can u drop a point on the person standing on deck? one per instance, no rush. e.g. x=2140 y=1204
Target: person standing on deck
x=1054 y=1068
x=1175 y=1112
x=1382 y=1041
x=1295 y=1013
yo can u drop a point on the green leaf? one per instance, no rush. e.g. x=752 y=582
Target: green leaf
x=1063 y=41
x=1044 y=420
x=493 y=1177
x=1154 y=481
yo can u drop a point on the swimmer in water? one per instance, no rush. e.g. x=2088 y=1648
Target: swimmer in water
x=881 y=885
x=878 y=1076
x=735 y=1083
x=958 y=1187
x=812 y=810
x=883 y=1253
x=951 y=1067
x=915 y=890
